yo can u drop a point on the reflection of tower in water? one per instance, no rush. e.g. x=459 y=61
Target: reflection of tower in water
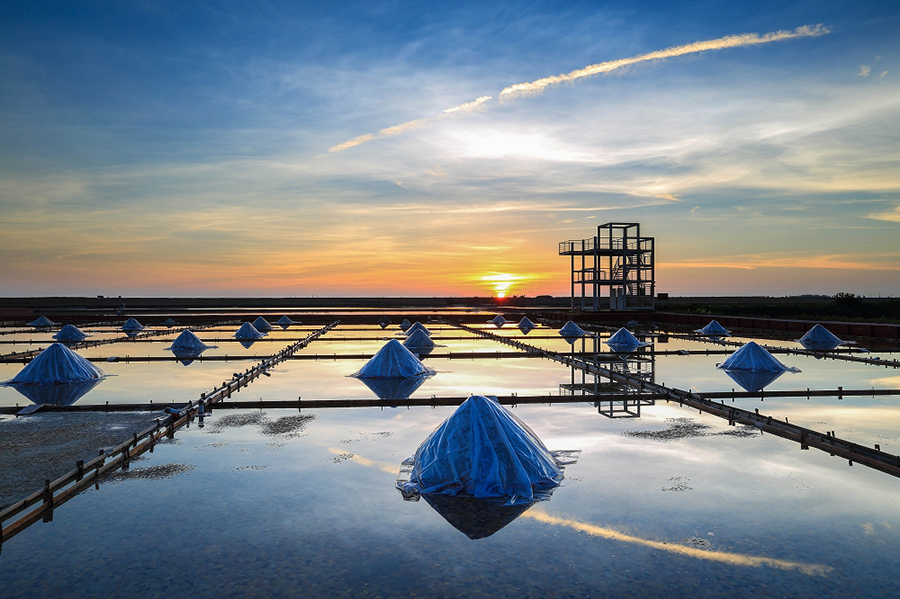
x=612 y=398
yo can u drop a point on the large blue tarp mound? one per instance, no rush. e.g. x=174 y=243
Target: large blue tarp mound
x=753 y=356
x=624 y=341
x=41 y=321
x=132 y=325
x=714 y=329
x=69 y=334
x=482 y=450
x=55 y=365
x=820 y=338
x=393 y=360
x=188 y=342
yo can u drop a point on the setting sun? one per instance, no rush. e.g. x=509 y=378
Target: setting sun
x=501 y=282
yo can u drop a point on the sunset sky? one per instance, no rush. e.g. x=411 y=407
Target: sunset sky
x=403 y=148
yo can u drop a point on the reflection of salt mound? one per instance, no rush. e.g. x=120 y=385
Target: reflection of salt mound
x=753 y=356
x=482 y=450
x=384 y=321
x=69 y=334
x=419 y=342
x=393 y=360
x=187 y=341
x=262 y=325
x=526 y=325
x=820 y=338
x=475 y=518
x=132 y=325
x=417 y=327
x=56 y=364
x=248 y=332
x=62 y=394
x=754 y=380
x=169 y=323
x=624 y=341
x=41 y=321
x=405 y=324
x=713 y=329
x=572 y=330
x=397 y=387
x=498 y=320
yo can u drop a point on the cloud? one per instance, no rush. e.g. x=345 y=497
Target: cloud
x=730 y=41
x=512 y=91
x=669 y=196
x=890 y=216
x=863 y=71
x=882 y=74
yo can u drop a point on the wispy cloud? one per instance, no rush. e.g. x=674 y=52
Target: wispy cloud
x=890 y=216
x=863 y=71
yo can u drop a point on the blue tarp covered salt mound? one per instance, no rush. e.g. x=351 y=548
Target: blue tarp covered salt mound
x=482 y=450
x=262 y=325
x=248 y=332
x=384 y=321
x=393 y=360
x=56 y=364
x=714 y=329
x=169 y=323
x=571 y=331
x=498 y=321
x=132 y=325
x=820 y=338
x=284 y=322
x=418 y=342
x=525 y=325
x=69 y=334
x=753 y=356
x=417 y=327
x=624 y=341
x=187 y=341
x=41 y=321
x=405 y=324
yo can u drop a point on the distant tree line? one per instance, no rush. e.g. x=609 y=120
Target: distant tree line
x=843 y=306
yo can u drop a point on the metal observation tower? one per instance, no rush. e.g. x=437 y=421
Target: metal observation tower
x=617 y=259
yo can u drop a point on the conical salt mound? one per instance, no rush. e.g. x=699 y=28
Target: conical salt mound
x=418 y=342
x=405 y=324
x=713 y=329
x=132 y=325
x=393 y=360
x=384 y=321
x=753 y=356
x=417 y=327
x=624 y=341
x=262 y=325
x=819 y=338
x=572 y=330
x=69 y=334
x=248 y=332
x=285 y=321
x=526 y=325
x=498 y=320
x=41 y=321
x=482 y=450
x=169 y=323
x=56 y=364
x=187 y=341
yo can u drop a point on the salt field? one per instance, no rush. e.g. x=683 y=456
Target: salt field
x=286 y=501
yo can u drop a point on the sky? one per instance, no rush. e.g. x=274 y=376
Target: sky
x=153 y=148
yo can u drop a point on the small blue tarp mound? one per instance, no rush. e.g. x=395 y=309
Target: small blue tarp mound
x=820 y=338
x=419 y=342
x=525 y=325
x=405 y=324
x=498 y=320
x=262 y=325
x=753 y=356
x=391 y=361
x=56 y=364
x=41 y=321
x=624 y=341
x=132 y=325
x=187 y=342
x=482 y=450
x=384 y=321
x=417 y=327
x=713 y=329
x=248 y=332
x=169 y=323
x=69 y=334
x=572 y=330
x=284 y=322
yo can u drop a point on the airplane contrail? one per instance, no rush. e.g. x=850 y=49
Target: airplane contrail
x=534 y=87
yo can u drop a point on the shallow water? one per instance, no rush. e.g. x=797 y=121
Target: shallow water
x=283 y=503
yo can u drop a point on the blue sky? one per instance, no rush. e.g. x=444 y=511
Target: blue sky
x=183 y=148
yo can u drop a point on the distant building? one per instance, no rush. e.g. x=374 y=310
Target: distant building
x=617 y=263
